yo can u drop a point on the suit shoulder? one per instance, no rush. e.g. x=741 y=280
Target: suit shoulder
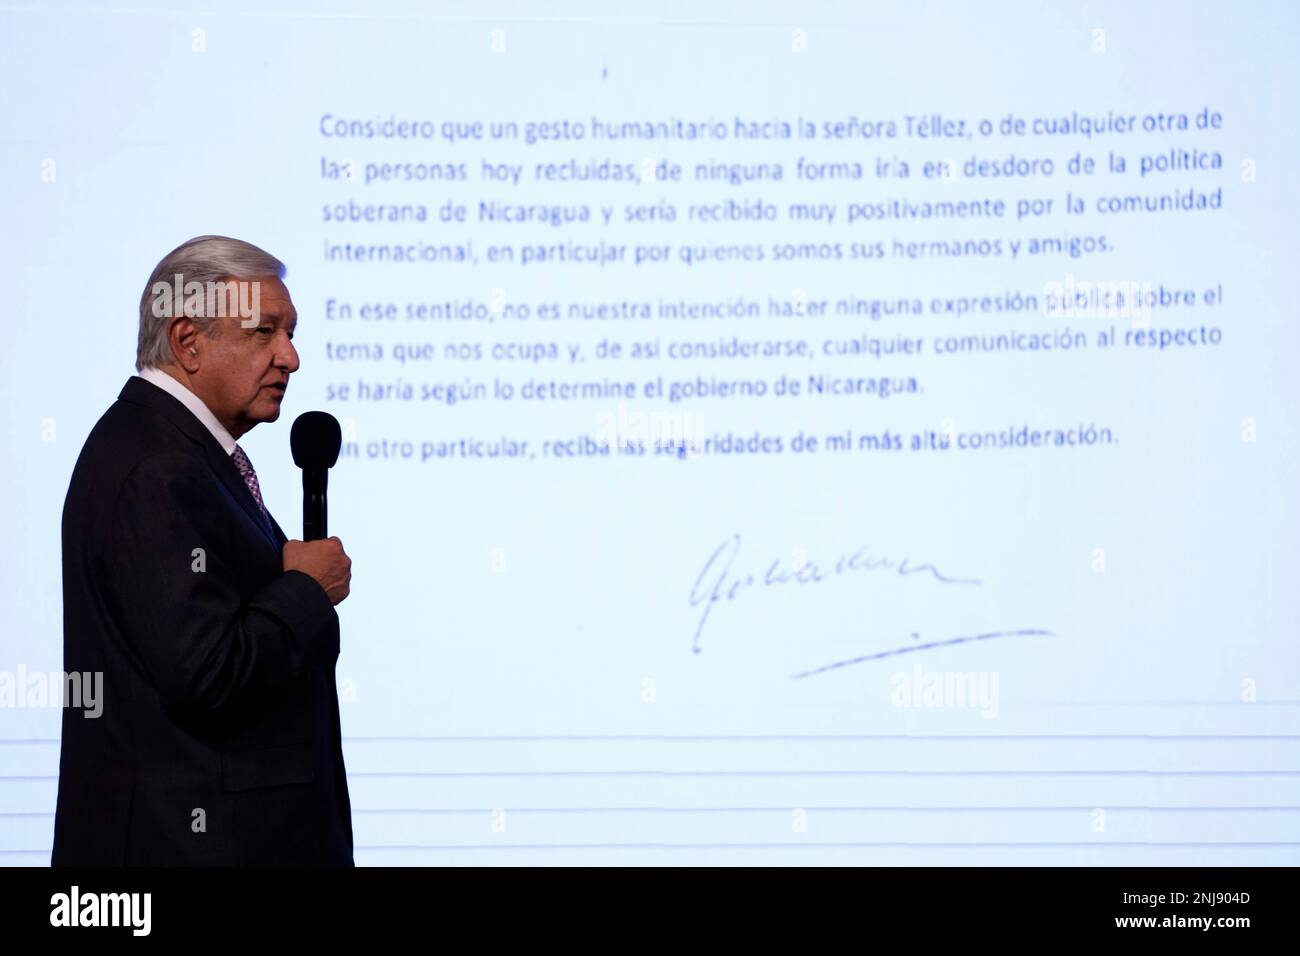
x=126 y=438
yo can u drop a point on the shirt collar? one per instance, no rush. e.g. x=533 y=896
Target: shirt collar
x=182 y=394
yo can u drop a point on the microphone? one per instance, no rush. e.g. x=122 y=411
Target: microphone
x=315 y=440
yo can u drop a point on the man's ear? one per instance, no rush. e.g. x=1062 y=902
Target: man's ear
x=184 y=335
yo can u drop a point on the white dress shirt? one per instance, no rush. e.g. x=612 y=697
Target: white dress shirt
x=181 y=393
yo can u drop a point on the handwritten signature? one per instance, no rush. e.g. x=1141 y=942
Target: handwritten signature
x=717 y=581
x=923 y=646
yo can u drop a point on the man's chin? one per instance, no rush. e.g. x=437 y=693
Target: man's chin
x=264 y=412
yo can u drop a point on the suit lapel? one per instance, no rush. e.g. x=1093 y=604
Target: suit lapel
x=280 y=535
x=140 y=392
x=225 y=468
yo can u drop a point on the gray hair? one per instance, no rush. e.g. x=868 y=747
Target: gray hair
x=203 y=259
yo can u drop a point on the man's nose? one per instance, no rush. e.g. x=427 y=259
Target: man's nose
x=287 y=356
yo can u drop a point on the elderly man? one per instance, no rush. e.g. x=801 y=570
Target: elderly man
x=219 y=739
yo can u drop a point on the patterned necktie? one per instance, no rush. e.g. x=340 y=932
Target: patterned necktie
x=250 y=479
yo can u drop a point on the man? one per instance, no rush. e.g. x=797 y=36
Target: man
x=219 y=738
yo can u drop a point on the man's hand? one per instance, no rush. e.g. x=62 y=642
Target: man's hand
x=324 y=560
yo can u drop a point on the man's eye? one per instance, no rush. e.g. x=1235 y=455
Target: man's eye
x=267 y=329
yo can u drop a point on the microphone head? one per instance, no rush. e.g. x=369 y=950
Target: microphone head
x=315 y=440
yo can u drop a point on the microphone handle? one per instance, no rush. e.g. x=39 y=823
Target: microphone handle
x=314 y=510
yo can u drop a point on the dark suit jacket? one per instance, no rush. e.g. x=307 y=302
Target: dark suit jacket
x=219 y=738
